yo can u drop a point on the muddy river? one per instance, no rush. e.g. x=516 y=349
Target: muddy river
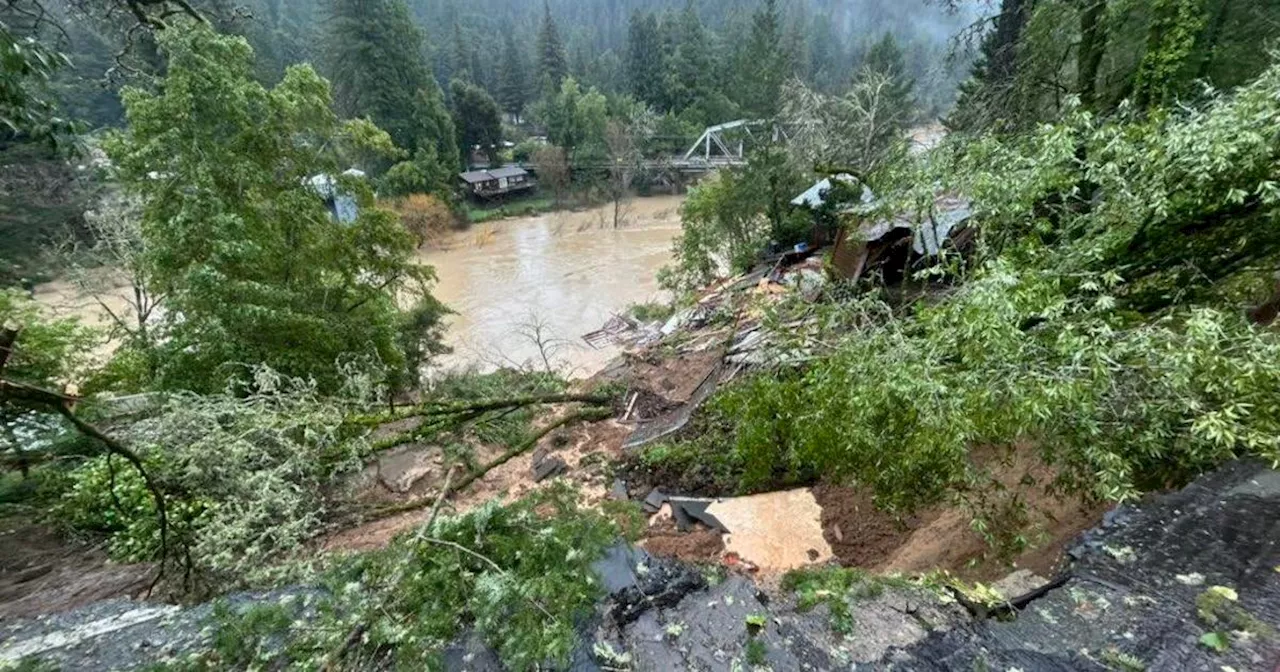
x=554 y=277
x=562 y=273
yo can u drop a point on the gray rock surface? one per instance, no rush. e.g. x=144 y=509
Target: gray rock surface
x=1125 y=597
x=1129 y=597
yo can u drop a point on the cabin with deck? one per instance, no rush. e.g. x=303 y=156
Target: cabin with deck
x=495 y=182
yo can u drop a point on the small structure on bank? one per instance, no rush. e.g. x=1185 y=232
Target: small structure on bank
x=494 y=182
x=341 y=204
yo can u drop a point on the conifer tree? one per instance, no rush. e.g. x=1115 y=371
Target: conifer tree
x=645 y=68
x=763 y=63
x=513 y=85
x=375 y=62
x=689 y=77
x=460 y=66
x=885 y=57
x=553 y=64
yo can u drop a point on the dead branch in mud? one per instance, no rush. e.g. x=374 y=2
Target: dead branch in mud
x=587 y=415
x=437 y=408
x=36 y=398
x=444 y=492
x=442 y=414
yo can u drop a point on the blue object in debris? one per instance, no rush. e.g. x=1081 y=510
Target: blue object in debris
x=802 y=248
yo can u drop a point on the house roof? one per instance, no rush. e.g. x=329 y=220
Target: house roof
x=948 y=213
x=475 y=176
x=816 y=196
x=508 y=171
x=928 y=232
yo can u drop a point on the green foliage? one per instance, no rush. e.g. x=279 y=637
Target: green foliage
x=513 y=78
x=645 y=66
x=885 y=58
x=1215 y=641
x=762 y=64
x=107 y=496
x=517 y=207
x=1152 y=54
x=651 y=311
x=1175 y=24
x=254 y=267
x=553 y=66
x=719 y=223
x=731 y=217
x=26 y=110
x=835 y=587
x=576 y=121
x=506 y=429
x=1126 y=662
x=246 y=475
x=373 y=56
x=48 y=352
x=1149 y=404
x=1218 y=607
x=477 y=118
x=519 y=574
x=247 y=637
x=425 y=173
x=1174 y=203
x=755 y=653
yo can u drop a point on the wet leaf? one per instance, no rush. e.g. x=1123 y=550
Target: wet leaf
x=1215 y=641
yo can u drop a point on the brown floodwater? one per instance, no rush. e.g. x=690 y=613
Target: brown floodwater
x=566 y=272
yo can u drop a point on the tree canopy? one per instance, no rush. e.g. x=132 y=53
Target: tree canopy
x=232 y=177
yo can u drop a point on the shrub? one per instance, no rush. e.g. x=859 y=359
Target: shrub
x=520 y=575
x=245 y=474
x=1119 y=407
x=425 y=216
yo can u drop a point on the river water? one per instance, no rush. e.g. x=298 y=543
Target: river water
x=566 y=272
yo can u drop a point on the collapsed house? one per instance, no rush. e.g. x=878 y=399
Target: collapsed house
x=895 y=243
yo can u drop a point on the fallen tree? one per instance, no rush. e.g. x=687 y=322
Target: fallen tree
x=586 y=415
x=39 y=399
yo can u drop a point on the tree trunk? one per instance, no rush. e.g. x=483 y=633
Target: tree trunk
x=1213 y=33
x=1093 y=43
x=1003 y=56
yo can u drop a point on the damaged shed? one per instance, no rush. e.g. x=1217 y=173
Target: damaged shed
x=895 y=242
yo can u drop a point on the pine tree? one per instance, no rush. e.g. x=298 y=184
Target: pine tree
x=689 y=77
x=827 y=65
x=763 y=64
x=885 y=57
x=513 y=85
x=436 y=133
x=987 y=95
x=460 y=65
x=796 y=44
x=553 y=64
x=645 y=71
x=375 y=62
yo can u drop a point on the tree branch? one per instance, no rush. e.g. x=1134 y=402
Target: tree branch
x=38 y=398
x=583 y=416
